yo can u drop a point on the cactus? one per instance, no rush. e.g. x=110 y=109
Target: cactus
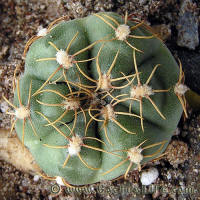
x=98 y=98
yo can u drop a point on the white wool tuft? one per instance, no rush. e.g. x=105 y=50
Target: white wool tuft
x=59 y=181
x=135 y=155
x=71 y=104
x=122 y=32
x=105 y=83
x=180 y=89
x=108 y=112
x=141 y=91
x=64 y=59
x=75 y=145
x=148 y=177
x=42 y=32
x=22 y=112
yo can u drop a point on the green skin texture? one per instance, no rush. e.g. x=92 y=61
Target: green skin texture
x=156 y=129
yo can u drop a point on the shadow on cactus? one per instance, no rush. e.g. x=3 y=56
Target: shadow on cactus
x=101 y=96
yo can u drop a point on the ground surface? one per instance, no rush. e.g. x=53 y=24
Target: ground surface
x=179 y=175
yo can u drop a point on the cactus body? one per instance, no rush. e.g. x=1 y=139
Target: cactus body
x=101 y=99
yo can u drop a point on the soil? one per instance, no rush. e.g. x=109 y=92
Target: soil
x=179 y=174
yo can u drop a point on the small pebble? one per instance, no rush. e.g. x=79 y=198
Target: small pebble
x=148 y=177
x=187 y=27
x=4 y=106
x=36 y=178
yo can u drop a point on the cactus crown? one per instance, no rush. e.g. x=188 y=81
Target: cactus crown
x=93 y=92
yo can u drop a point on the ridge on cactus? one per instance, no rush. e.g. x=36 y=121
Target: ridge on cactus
x=134 y=154
x=96 y=89
x=22 y=112
x=140 y=91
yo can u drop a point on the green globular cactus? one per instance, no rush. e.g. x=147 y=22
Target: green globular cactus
x=97 y=98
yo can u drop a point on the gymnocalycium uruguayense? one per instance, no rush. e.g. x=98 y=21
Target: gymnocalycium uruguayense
x=98 y=98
